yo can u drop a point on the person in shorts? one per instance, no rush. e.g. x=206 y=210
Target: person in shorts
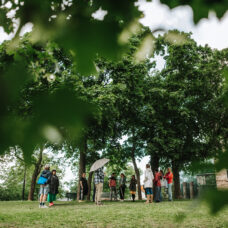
x=44 y=188
x=148 y=183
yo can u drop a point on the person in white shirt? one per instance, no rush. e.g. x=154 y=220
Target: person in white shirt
x=148 y=183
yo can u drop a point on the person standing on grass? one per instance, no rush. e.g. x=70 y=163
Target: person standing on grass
x=112 y=186
x=44 y=188
x=99 y=181
x=53 y=182
x=163 y=185
x=169 y=177
x=132 y=187
x=148 y=183
x=122 y=185
x=83 y=187
x=157 y=183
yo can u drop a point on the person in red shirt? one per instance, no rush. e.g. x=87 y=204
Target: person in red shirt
x=169 y=177
x=112 y=186
x=157 y=183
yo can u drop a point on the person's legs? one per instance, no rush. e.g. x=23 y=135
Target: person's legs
x=111 y=193
x=51 y=198
x=115 y=193
x=133 y=197
x=99 y=192
x=41 y=200
x=81 y=197
x=41 y=195
x=157 y=194
x=151 y=195
x=151 y=198
x=45 y=191
x=160 y=198
x=170 y=192
x=147 y=198
x=96 y=194
x=148 y=194
x=121 y=192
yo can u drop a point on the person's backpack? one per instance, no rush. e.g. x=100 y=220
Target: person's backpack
x=42 y=180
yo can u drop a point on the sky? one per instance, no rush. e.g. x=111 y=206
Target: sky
x=209 y=31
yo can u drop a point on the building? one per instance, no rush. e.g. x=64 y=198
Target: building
x=222 y=179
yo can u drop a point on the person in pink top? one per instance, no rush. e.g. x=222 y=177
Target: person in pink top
x=169 y=177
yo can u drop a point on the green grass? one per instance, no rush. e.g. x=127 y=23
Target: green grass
x=111 y=214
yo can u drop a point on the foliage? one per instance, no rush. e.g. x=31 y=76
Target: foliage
x=72 y=25
x=12 y=175
x=184 y=118
x=40 y=108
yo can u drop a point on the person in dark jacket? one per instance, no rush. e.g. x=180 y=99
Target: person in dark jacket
x=132 y=187
x=44 y=188
x=83 y=187
x=122 y=186
x=53 y=182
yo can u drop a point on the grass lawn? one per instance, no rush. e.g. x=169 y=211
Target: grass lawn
x=111 y=214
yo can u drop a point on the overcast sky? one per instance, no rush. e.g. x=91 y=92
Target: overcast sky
x=210 y=31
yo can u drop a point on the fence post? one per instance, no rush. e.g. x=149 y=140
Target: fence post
x=191 y=190
x=184 y=190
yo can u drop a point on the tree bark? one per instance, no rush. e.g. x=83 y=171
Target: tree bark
x=154 y=162
x=137 y=173
x=89 y=185
x=23 y=188
x=35 y=174
x=176 y=175
x=82 y=163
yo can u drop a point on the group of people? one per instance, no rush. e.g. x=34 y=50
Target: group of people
x=156 y=182
x=49 y=189
x=159 y=181
x=122 y=186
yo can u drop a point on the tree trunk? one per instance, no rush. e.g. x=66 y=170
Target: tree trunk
x=176 y=175
x=154 y=162
x=137 y=173
x=23 y=188
x=35 y=174
x=82 y=164
x=89 y=185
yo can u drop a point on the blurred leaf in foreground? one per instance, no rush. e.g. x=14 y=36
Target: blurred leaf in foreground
x=201 y=8
x=217 y=199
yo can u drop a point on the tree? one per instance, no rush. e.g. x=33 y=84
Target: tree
x=33 y=107
x=37 y=168
x=128 y=76
x=185 y=117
